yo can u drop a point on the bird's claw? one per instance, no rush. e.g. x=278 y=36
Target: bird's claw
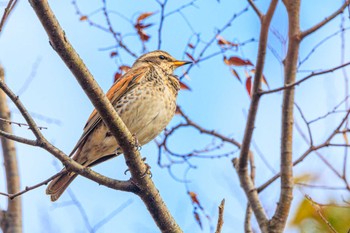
x=148 y=170
x=137 y=144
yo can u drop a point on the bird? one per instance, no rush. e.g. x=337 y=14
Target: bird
x=144 y=98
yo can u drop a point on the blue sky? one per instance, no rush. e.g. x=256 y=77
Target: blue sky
x=217 y=101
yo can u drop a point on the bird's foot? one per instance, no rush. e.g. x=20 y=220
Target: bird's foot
x=137 y=145
x=148 y=169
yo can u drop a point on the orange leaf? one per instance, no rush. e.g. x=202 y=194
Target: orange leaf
x=184 y=86
x=83 y=18
x=234 y=72
x=236 y=61
x=248 y=86
x=191 y=57
x=144 y=16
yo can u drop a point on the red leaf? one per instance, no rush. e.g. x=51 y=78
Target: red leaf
x=113 y=54
x=193 y=197
x=83 y=18
x=236 y=61
x=198 y=218
x=190 y=57
x=144 y=16
x=248 y=86
x=117 y=76
x=234 y=72
x=191 y=46
x=184 y=86
x=223 y=42
x=143 y=35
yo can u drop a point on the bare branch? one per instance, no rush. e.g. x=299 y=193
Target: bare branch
x=13 y=221
x=242 y=166
x=325 y=21
x=10 y=6
x=256 y=9
x=313 y=74
x=279 y=219
x=221 y=217
x=29 y=188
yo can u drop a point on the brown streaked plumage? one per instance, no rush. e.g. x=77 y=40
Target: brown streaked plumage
x=144 y=98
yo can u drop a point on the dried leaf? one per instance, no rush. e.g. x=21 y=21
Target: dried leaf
x=184 y=86
x=225 y=43
x=117 y=76
x=193 y=197
x=234 y=72
x=113 y=54
x=143 y=35
x=248 y=86
x=190 y=57
x=236 y=61
x=83 y=18
x=198 y=218
x=144 y=16
x=191 y=46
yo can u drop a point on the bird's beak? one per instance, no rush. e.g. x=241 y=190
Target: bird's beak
x=181 y=63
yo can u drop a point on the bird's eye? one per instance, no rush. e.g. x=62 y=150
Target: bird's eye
x=161 y=57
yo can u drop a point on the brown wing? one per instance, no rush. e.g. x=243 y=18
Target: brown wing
x=119 y=88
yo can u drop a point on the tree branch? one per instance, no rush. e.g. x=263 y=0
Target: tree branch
x=13 y=221
x=325 y=21
x=279 y=219
x=313 y=74
x=10 y=6
x=221 y=217
x=256 y=9
x=148 y=192
x=242 y=166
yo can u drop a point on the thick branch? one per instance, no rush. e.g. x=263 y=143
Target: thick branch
x=325 y=21
x=13 y=220
x=279 y=219
x=148 y=191
x=242 y=168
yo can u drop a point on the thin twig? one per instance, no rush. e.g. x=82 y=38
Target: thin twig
x=221 y=217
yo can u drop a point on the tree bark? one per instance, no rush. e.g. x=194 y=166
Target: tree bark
x=11 y=219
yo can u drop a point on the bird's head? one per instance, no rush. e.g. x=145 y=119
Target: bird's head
x=161 y=59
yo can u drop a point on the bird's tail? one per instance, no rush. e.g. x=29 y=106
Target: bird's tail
x=59 y=184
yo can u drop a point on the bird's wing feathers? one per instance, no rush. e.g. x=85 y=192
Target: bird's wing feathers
x=127 y=82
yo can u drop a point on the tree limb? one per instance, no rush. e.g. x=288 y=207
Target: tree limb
x=242 y=166
x=148 y=192
x=13 y=215
x=325 y=21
